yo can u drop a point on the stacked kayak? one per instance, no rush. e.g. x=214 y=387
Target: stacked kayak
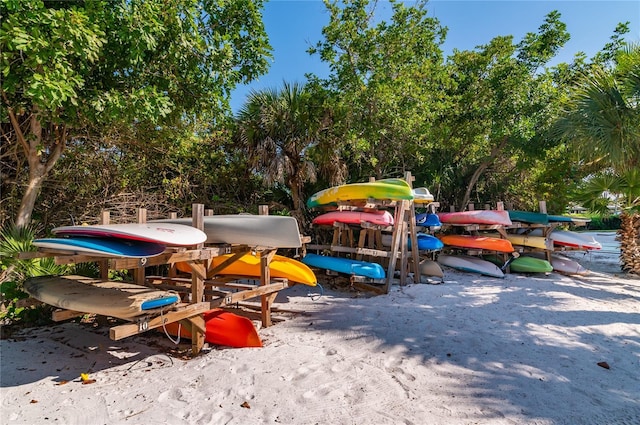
x=345 y=266
x=386 y=189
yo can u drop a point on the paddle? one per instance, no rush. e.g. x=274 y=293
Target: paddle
x=514 y=255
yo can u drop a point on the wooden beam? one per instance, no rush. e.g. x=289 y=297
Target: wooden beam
x=59 y=315
x=170 y=257
x=144 y=324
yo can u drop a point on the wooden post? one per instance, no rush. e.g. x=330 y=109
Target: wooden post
x=197 y=280
x=263 y=209
x=543 y=206
x=487 y=206
x=105 y=218
x=470 y=207
x=415 y=253
x=265 y=278
x=500 y=206
x=398 y=236
x=139 y=273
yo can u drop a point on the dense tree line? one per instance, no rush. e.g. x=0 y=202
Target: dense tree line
x=110 y=100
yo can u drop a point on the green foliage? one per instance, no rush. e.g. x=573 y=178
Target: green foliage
x=14 y=271
x=99 y=73
x=388 y=78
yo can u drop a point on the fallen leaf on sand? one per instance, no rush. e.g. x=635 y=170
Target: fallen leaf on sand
x=245 y=405
x=604 y=365
x=62 y=382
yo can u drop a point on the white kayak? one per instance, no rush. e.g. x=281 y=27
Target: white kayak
x=471 y=264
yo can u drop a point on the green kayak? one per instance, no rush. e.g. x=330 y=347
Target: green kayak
x=528 y=217
x=523 y=264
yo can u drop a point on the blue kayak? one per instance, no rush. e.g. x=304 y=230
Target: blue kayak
x=345 y=265
x=428 y=220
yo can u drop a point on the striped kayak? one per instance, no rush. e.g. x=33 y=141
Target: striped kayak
x=249 y=265
x=383 y=190
x=477 y=242
x=471 y=264
x=499 y=217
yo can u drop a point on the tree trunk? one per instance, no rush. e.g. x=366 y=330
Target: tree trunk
x=41 y=160
x=629 y=235
x=480 y=170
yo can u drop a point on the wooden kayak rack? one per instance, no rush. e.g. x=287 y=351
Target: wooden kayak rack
x=369 y=247
x=201 y=292
x=504 y=229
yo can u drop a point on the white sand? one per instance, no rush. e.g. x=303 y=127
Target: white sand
x=473 y=350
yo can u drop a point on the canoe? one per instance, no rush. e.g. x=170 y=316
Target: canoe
x=426 y=242
x=386 y=189
x=494 y=217
x=272 y=231
x=428 y=220
x=345 y=265
x=89 y=295
x=249 y=265
x=523 y=264
x=380 y=218
x=576 y=221
x=528 y=217
x=470 y=264
x=568 y=238
x=562 y=264
x=165 y=233
x=222 y=328
x=526 y=239
x=430 y=268
x=102 y=247
x=421 y=195
x=477 y=242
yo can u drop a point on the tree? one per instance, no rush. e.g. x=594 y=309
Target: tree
x=279 y=127
x=78 y=70
x=602 y=120
x=388 y=78
x=503 y=103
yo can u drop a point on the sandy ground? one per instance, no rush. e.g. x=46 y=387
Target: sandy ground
x=472 y=350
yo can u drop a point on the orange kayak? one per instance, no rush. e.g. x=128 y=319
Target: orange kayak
x=478 y=242
x=222 y=328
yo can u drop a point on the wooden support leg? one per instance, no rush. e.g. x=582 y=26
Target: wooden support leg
x=265 y=278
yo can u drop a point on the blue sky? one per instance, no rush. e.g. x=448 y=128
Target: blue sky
x=294 y=25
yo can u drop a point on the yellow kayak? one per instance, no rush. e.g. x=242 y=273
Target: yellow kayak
x=249 y=265
x=386 y=189
x=526 y=240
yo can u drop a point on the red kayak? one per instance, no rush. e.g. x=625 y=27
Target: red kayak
x=381 y=218
x=223 y=328
x=499 y=217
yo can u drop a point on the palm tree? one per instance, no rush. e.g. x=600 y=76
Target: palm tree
x=603 y=122
x=279 y=128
